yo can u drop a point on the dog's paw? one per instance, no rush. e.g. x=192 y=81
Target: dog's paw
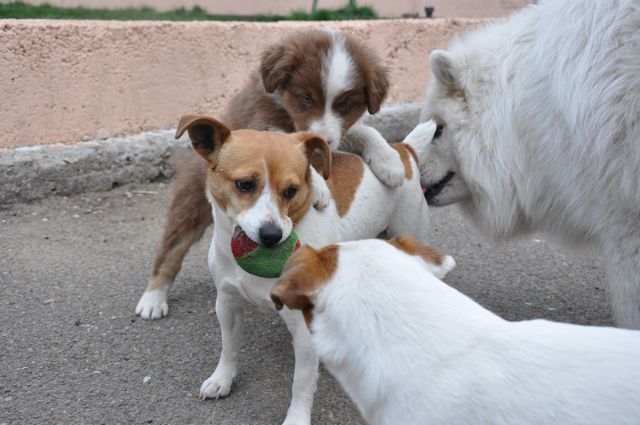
x=297 y=418
x=216 y=386
x=153 y=304
x=288 y=421
x=321 y=193
x=386 y=164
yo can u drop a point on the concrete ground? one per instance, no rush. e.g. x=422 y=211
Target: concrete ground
x=73 y=351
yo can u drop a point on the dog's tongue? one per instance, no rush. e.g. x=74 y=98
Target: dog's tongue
x=425 y=189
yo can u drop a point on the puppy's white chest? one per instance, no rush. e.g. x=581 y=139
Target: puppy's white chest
x=228 y=276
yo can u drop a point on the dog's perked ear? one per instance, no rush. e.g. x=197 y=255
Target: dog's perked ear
x=207 y=135
x=317 y=152
x=444 y=70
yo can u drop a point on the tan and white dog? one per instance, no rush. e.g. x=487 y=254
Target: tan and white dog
x=321 y=81
x=262 y=182
x=409 y=349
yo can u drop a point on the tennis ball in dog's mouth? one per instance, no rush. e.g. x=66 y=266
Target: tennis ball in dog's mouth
x=259 y=260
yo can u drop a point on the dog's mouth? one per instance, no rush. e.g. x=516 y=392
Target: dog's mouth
x=430 y=192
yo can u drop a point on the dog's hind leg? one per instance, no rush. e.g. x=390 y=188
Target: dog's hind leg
x=230 y=312
x=188 y=217
x=411 y=218
x=622 y=256
x=305 y=374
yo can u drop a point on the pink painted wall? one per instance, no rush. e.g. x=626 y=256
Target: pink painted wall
x=388 y=8
x=66 y=81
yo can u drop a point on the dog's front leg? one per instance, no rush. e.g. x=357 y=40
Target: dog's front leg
x=230 y=312
x=305 y=374
x=383 y=160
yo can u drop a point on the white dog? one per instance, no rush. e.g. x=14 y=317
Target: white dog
x=539 y=130
x=408 y=349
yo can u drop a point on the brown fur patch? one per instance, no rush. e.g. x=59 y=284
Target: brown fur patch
x=187 y=218
x=347 y=171
x=405 y=152
x=305 y=272
x=412 y=247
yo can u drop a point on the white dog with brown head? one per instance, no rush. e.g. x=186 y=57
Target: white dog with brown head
x=411 y=350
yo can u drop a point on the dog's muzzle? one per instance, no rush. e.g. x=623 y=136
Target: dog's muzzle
x=430 y=192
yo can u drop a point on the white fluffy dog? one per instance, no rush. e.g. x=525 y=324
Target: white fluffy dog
x=410 y=350
x=539 y=130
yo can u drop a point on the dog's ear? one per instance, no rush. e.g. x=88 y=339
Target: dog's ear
x=276 y=67
x=289 y=292
x=377 y=86
x=207 y=134
x=293 y=289
x=317 y=152
x=444 y=70
x=305 y=272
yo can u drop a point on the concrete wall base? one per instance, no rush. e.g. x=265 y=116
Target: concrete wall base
x=31 y=173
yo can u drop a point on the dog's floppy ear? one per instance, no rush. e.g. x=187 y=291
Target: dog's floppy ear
x=276 y=67
x=207 y=134
x=305 y=272
x=377 y=87
x=317 y=152
x=294 y=288
x=288 y=291
x=444 y=70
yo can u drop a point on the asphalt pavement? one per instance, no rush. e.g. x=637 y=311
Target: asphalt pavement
x=72 y=350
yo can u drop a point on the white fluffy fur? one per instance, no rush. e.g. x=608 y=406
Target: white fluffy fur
x=541 y=119
x=338 y=74
x=408 y=349
x=401 y=210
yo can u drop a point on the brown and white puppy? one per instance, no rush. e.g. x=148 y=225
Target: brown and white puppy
x=261 y=182
x=315 y=80
x=409 y=349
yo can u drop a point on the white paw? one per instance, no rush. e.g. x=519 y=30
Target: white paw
x=386 y=164
x=153 y=304
x=321 y=192
x=421 y=134
x=288 y=421
x=216 y=386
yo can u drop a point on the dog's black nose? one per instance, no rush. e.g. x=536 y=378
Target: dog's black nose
x=270 y=234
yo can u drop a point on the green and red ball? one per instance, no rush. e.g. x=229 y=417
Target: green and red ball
x=260 y=260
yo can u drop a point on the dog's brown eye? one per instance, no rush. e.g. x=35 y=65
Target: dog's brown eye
x=246 y=185
x=305 y=102
x=290 y=192
x=438 y=132
x=344 y=107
